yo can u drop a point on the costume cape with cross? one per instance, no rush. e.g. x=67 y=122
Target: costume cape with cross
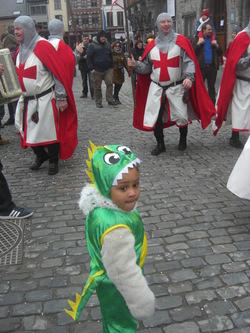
x=47 y=54
x=198 y=96
x=237 y=49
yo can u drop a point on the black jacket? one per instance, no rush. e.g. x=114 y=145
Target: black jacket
x=99 y=56
x=82 y=64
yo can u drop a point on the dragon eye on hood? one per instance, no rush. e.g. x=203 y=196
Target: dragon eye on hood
x=111 y=158
x=124 y=150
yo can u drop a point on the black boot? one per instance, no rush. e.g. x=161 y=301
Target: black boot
x=53 y=169
x=183 y=138
x=158 y=149
x=39 y=161
x=235 y=140
x=10 y=121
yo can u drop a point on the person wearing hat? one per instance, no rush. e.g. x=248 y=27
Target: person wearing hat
x=204 y=19
x=116 y=240
x=100 y=62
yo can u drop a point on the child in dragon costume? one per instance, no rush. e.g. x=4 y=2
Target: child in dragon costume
x=115 y=239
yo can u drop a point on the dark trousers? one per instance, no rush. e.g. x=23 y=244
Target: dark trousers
x=209 y=73
x=158 y=131
x=6 y=202
x=53 y=152
x=117 y=89
x=12 y=109
x=87 y=76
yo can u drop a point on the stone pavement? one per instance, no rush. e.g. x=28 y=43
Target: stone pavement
x=198 y=232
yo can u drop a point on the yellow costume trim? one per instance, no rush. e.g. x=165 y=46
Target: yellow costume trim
x=91 y=151
x=144 y=250
x=74 y=305
x=112 y=228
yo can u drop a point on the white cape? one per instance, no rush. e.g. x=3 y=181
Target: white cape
x=239 y=180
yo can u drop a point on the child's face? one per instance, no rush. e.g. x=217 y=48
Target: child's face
x=127 y=192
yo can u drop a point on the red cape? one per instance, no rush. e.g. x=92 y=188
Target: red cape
x=198 y=96
x=237 y=48
x=62 y=64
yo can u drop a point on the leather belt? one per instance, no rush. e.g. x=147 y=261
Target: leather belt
x=243 y=78
x=173 y=84
x=29 y=98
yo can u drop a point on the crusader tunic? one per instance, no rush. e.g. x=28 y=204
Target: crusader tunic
x=233 y=103
x=168 y=69
x=41 y=123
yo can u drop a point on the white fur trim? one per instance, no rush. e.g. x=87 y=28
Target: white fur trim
x=91 y=198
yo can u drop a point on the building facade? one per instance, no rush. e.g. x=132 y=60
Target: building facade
x=226 y=14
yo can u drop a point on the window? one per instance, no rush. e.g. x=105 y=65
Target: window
x=74 y=4
x=57 y=4
x=109 y=2
x=120 y=22
x=38 y=10
x=189 y=25
x=93 y=3
x=84 y=3
x=85 y=20
x=76 y=19
x=95 y=20
x=59 y=17
x=109 y=19
x=19 y=1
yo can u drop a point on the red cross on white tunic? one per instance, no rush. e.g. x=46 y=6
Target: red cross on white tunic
x=29 y=73
x=164 y=63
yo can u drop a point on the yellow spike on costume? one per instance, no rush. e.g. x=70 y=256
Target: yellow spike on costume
x=74 y=306
x=93 y=146
x=91 y=151
x=88 y=164
x=90 y=175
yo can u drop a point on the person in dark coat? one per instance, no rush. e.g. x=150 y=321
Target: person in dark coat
x=120 y=64
x=100 y=63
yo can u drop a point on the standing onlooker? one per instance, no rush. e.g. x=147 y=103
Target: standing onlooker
x=137 y=53
x=120 y=64
x=46 y=113
x=208 y=51
x=86 y=75
x=233 y=102
x=100 y=63
x=170 y=70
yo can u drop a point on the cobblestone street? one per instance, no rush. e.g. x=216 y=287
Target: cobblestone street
x=198 y=262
